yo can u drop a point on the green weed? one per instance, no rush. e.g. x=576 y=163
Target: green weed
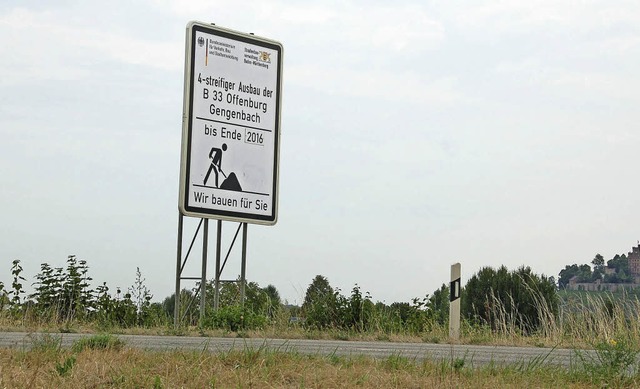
x=157 y=383
x=98 y=342
x=613 y=361
x=64 y=368
x=397 y=362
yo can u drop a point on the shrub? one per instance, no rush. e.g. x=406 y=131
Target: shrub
x=613 y=361
x=234 y=318
x=510 y=301
x=320 y=304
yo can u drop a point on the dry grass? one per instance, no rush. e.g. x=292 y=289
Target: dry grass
x=129 y=368
x=586 y=321
x=591 y=318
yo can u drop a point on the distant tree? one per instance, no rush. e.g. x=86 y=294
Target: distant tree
x=620 y=266
x=496 y=297
x=400 y=310
x=438 y=305
x=273 y=299
x=263 y=301
x=229 y=293
x=598 y=268
x=598 y=262
x=188 y=307
x=584 y=273
x=567 y=274
x=598 y=274
x=320 y=303
x=619 y=263
x=256 y=300
x=318 y=289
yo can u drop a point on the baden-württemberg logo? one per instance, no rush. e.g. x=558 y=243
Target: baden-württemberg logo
x=264 y=57
x=257 y=58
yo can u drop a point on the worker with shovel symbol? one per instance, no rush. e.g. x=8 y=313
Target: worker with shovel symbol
x=216 y=163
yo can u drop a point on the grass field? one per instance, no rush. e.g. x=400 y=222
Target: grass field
x=607 y=323
x=103 y=361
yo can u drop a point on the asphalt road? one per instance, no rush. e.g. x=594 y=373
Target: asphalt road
x=473 y=356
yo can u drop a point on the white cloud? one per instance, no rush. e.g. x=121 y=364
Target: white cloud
x=407 y=87
x=62 y=50
x=534 y=72
x=397 y=27
x=518 y=16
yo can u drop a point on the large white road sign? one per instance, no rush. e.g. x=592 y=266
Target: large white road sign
x=231 y=125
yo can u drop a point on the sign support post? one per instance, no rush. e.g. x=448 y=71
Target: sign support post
x=243 y=266
x=203 y=277
x=180 y=264
x=176 y=302
x=216 y=294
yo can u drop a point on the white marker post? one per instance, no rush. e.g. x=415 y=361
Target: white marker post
x=454 y=303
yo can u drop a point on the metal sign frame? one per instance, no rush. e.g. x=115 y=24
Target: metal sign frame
x=219 y=267
x=237 y=57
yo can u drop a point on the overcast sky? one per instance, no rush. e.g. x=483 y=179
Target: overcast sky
x=415 y=134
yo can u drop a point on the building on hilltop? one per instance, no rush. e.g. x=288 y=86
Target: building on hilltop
x=598 y=286
x=634 y=261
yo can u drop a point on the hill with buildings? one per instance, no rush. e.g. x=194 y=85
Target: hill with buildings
x=620 y=272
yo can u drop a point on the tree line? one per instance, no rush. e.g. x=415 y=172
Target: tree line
x=490 y=297
x=616 y=271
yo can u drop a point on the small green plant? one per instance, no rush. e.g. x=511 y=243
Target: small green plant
x=64 y=368
x=235 y=318
x=612 y=360
x=397 y=362
x=157 y=382
x=336 y=360
x=141 y=297
x=18 y=290
x=458 y=364
x=251 y=356
x=98 y=342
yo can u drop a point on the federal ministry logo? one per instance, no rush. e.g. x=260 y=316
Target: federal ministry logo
x=201 y=41
x=264 y=57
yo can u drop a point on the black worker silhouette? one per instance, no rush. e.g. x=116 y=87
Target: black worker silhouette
x=216 y=162
x=231 y=181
